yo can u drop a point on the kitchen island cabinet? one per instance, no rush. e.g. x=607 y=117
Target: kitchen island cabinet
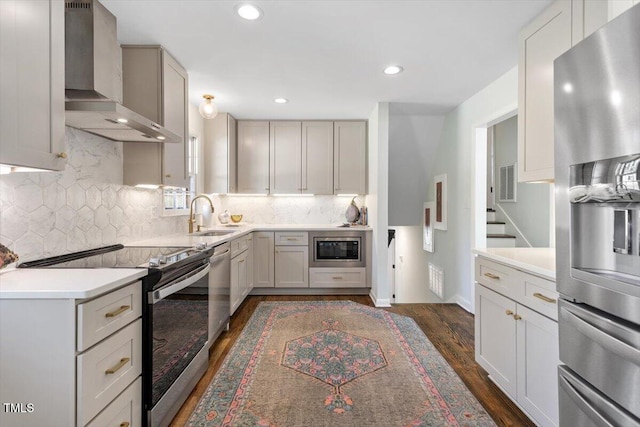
x=78 y=347
x=156 y=86
x=32 y=51
x=516 y=335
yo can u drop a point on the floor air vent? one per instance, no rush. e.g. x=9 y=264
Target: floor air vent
x=436 y=280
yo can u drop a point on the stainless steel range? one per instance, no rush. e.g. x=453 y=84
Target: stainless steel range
x=597 y=176
x=175 y=320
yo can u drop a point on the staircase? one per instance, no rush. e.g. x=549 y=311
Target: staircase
x=496 y=236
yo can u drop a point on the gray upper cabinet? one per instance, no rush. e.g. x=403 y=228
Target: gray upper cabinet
x=349 y=157
x=253 y=157
x=32 y=52
x=317 y=157
x=285 y=150
x=155 y=85
x=220 y=146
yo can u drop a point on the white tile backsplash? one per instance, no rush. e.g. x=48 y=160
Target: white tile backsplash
x=86 y=205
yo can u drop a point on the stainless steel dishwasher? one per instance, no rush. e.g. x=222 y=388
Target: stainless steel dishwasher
x=219 y=290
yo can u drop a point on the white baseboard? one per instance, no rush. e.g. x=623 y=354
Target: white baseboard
x=309 y=291
x=465 y=304
x=379 y=302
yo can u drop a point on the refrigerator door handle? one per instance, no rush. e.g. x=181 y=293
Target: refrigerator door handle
x=607 y=341
x=576 y=397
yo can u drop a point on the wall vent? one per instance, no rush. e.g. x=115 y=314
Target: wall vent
x=436 y=280
x=77 y=4
x=507 y=183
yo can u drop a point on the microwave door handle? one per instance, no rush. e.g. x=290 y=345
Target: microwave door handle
x=164 y=292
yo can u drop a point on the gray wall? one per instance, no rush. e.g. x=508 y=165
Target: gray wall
x=530 y=212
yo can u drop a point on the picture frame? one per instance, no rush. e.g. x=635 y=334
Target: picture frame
x=428 y=218
x=440 y=186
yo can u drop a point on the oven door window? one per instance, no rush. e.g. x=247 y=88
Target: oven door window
x=348 y=250
x=180 y=331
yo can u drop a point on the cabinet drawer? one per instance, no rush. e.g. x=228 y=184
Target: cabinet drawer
x=498 y=277
x=240 y=245
x=104 y=371
x=125 y=410
x=337 y=277
x=99 y=318
x=292 y=238
x=540 y=295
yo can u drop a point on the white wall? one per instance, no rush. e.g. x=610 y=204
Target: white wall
x=455 y=157
x=413 y=142
x=377 y=201
x=530 y=213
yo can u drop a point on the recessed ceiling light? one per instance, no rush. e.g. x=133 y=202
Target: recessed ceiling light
x=249 y=12
x=161 y=138
x=122 y=120
x=393 y=69
x=281 y=100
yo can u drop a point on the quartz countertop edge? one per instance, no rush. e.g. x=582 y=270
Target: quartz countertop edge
x=190 y=240
x=538 y=261
x=64 y=283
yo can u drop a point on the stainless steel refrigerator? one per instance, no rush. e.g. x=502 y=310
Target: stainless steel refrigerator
x=597 y=176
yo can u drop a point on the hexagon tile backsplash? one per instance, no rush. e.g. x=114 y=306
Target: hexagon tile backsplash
x=86 y=206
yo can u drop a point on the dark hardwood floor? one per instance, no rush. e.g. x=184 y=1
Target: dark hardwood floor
x=448 y=326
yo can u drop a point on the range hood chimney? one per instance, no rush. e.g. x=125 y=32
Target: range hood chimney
x=93 y=78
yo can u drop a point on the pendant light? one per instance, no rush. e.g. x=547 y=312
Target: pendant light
x=207 y=108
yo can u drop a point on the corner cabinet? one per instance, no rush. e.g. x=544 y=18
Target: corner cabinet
x=220 y=145
x=156 y=86
x=349 y=157
x=516 y=336
x=32 y=52
x=253 y=157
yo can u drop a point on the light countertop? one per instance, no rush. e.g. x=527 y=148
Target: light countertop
x=538 y=261
x=64 y=283
x=189 y=240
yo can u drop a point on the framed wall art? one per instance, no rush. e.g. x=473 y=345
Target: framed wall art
x=441 y=202
x=428 y=217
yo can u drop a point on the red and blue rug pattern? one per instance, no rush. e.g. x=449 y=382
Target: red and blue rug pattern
x=335 y=363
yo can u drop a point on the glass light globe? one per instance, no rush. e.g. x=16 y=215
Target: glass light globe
x=207 y=108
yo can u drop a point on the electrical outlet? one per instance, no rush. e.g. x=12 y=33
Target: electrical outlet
x=401 y=257
x=154 y=212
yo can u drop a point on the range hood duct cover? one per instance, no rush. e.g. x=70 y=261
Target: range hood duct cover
x=93 y=78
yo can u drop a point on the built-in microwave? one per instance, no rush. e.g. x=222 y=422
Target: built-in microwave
x=337 y=249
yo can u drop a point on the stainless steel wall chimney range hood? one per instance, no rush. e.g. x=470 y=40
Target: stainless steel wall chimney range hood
x=93 y=78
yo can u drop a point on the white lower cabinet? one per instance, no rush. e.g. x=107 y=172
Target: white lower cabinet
x=292 y=266
x=516 y=345
x=76 y=362
x=241 y=270
x=325 y=277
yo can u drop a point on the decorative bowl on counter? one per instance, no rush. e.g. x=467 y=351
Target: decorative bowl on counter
x=236 y=218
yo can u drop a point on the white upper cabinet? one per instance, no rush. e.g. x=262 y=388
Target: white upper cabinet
x=253 y=157
x=540 y=43
x=220 y=145
x=32 y=75
x=593 y=14
x=317 y=157
x=349 y=157
x=285 y=156
x=155 y=85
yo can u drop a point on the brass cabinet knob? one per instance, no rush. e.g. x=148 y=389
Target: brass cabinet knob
x=61 y=155
x=517 y=317
x=168 y=175
x=509 y=313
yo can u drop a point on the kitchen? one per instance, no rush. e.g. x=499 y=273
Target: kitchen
x=86 y=205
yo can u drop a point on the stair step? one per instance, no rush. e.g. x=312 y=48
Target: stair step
x=495 y=222
x=501 y=241
x=490 y=210
x=500 y=236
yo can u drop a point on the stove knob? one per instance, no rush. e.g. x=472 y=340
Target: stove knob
x=163 y=259
x=201 y=246
x=154 y=262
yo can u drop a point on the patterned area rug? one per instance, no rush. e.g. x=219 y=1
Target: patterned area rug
x=335 y=364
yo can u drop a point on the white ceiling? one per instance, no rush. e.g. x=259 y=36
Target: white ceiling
x=327 y=56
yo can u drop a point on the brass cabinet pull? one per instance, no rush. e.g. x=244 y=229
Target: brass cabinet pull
x=61 y=155
x=337 y=277
x=544 y=298
x=121 y=310
x=242 y=260
x=124 y=424
x=517 y=317
x=492 y=276
x=116 y=368
x=509 y=313
x=291 y=238
x=168 y=175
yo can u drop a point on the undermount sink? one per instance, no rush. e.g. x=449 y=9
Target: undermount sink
x=215 y=233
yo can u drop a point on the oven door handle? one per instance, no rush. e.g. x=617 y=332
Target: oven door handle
x=174 y=287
